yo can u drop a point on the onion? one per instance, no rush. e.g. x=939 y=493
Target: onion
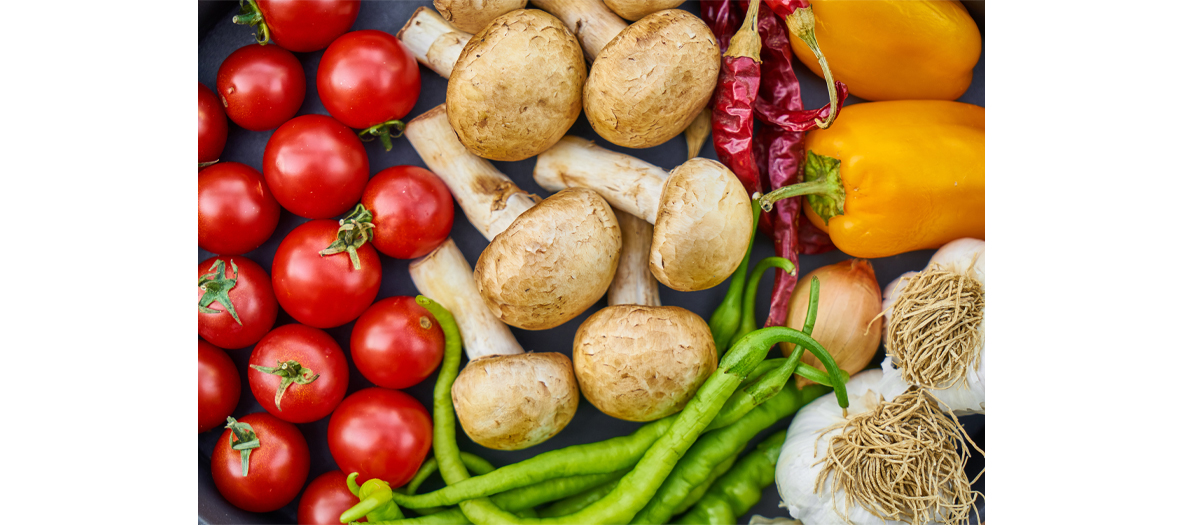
x=847 y=325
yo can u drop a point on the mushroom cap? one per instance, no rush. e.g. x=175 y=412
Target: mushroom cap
x=642 y=363
x=510 y=402
x=703 y=226
x=651 y=80
x=472 y=15
x=555 y=261
x=635 y=9
x=517 y=86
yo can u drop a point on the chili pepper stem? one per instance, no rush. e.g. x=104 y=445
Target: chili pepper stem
x=356 y=229
x=382 y=131
x=251 y=15
x=802 y=25
x=746 y=42
x=822 y=184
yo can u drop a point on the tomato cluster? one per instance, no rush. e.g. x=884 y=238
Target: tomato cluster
x=326 y=272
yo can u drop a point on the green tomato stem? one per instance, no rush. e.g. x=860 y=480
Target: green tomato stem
x=291 y=372
x=356 y=229
x=243 y=440
x=215 y=286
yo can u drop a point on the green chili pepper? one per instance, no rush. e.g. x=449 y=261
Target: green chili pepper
x=697 y=492
x=747 y=323
x=603 y=457
x=714 y=447
x=735 y=493
x=580 y=500
x=725 y=319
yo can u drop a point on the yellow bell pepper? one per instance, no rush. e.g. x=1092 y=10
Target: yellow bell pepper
x=892 y=177
x=895 y=49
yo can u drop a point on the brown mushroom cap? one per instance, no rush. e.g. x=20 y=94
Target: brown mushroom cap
x=473 y=15
x=635 y=9
x=642 y=363
x=555 y=261
x=651 y=80
x=703 y=226
x=517 y=86
x=510 y=402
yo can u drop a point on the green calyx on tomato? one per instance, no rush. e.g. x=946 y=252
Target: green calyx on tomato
x=244 y=440
x=356 y=229
x=376 y=502
x=382 y=131
x=216 y=286
x=291 y=372
x=251 y=15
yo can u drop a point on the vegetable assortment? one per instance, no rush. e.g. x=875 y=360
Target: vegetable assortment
x=715 y=406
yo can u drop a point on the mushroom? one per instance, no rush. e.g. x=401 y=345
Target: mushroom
x=547 y=262
x=472 y=15
x=516 y=87
x=635 y=9
x=504 y=398
x=641 y=363
x=700 y=211
x=650 y=81
x=634 y=283
x=433 y=41
x=591 y=20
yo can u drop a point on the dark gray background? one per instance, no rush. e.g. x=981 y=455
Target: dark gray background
x=218 y=37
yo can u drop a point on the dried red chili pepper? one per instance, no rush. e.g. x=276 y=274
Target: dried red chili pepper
x=733 y=103
x=721 y=19
x=801 y=22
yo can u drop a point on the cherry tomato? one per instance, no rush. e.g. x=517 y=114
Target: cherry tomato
x=307 y=366
x=308 y=25
x=251 y=295
x=396 y=343
x=212 y=127
x=218 y=386
x=380 y=433
x=236 y=211
x=412 y=211
x=323 y=291
x=368 y=77
x=316 y=166
x=277 y=467
x=261 y=86
x=325 y=499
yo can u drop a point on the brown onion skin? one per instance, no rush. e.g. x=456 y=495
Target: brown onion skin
x=849 y=301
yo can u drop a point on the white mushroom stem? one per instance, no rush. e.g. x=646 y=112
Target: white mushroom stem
x=634 y=282
x=433 y=41
x=627 y=183
x=489 y=198
x=444 y=276
x=591 y=21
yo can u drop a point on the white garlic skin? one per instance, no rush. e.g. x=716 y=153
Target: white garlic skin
x=956 y=256
x=799 y=463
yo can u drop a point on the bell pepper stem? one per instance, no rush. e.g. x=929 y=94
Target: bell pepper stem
x=802 y=24
x=822 y=185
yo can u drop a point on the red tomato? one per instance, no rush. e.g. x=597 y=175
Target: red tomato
x=325 y=499
x=380 y=433
x=412 y=211
x=368 y=77
x=323 y=291
x=251 y=295
x=396 y=343
x=236 y=211
x=261 y=86
x=308 y=25
x=277 y=468
x=316 y=166
x=218 y=386
x=211 y=125
x=298 y=353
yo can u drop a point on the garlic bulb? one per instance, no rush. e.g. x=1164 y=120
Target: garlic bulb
x=896 y=451
x=964 y=391
x=798 y=468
